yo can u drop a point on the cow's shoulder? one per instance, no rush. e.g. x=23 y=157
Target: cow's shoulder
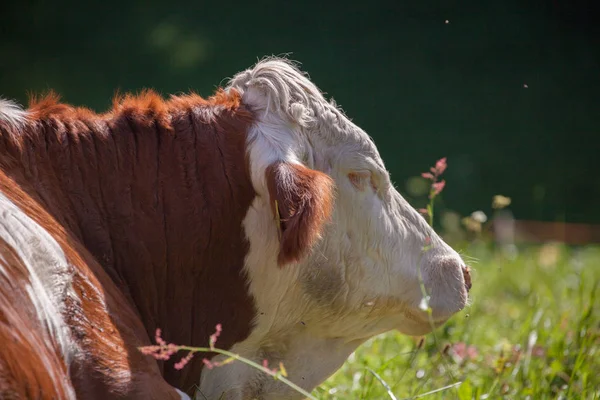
x=68 y=329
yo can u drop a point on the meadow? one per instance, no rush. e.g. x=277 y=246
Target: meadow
x=531 y=332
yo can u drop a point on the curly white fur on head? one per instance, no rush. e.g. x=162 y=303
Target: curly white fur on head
x=280 y=88
x=293 y=115
x=12 y=114
x=276 y=85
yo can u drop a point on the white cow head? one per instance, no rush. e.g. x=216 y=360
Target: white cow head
x=336 y=254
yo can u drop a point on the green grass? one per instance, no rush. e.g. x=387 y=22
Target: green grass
x=534 y=328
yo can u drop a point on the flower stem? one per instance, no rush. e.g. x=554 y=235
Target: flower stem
x=251 y=363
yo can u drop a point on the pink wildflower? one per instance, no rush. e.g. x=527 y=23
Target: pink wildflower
x=184 y=360
x=161 y=351
x=463 y=352
x=208 y=363
x=215 y=336
x=159 y=340
x=265 y=365
x=423 y=211
x=149 y=350
x=440 y=166
x=538 y=351
x=438 y=187
x=436 y=171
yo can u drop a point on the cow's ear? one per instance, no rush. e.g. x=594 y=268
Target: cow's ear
x=302 y=202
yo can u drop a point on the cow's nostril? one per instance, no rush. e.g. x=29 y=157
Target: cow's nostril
x=467 y=275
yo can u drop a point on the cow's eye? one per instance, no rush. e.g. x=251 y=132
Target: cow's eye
x=362 y=179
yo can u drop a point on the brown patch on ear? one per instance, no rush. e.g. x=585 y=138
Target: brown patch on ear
x=304 y=201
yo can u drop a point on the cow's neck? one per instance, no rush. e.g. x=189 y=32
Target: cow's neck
x=160 y=209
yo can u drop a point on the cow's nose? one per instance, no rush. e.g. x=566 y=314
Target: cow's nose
x=467 y=275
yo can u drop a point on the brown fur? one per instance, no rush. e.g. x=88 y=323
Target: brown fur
x=23 y=376
x=304 y=198
x=147 y=200
x=104 y=325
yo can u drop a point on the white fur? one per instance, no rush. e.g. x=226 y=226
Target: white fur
x=361 y=279
x=48 y=268
x=11 y=113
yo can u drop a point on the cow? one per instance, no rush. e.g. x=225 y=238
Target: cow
x=262 y=208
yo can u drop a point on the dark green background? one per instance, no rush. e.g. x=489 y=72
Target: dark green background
x=421 y=87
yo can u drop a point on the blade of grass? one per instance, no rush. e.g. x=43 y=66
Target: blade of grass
x=454 y=385
x=384 y=383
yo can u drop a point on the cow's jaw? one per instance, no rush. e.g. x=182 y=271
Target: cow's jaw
x=310 y=340
x=308 y=361
x=310 y=316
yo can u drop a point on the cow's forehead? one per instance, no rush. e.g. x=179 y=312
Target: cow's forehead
x=289 y=93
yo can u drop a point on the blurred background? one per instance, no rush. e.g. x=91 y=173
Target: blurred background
x=508 y=91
